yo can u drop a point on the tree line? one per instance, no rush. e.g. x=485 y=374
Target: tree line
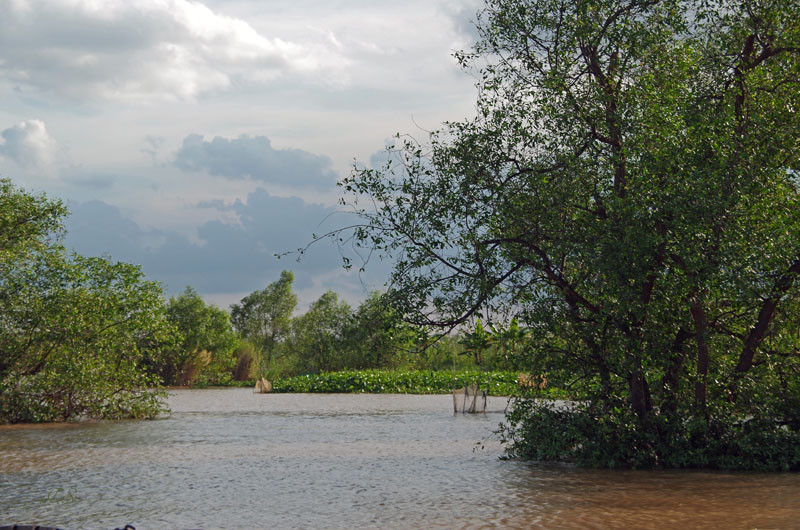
x=261 y=337
x=90 y=337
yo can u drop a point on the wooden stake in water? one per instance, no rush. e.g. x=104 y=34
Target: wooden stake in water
x=470 y=398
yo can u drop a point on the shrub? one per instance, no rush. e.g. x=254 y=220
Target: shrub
x=609 y=436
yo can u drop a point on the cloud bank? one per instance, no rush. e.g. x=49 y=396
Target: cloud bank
x=142 y=50
x=228 y=257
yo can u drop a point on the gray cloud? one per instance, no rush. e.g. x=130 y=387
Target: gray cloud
x=97 y=228
x=96 y=182
x=229 y=258
x=116 y=49
x=153 y=144
x=464 y=16
x=379 y=159
x=29 y=144
x=254 y=157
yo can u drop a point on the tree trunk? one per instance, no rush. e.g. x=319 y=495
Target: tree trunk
x=640 y=393
x=765 y=316
x=671 y=379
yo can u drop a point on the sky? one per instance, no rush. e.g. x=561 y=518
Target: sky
x=200 y=138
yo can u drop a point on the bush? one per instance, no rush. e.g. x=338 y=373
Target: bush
x=50 y=396
x=245 y=369
x=609 y=436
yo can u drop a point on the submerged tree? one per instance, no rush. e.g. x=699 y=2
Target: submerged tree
x=74 y=330
x=629 y=189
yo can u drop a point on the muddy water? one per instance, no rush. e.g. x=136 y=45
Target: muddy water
x=233 y=459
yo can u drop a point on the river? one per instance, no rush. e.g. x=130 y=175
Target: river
x=229 y=458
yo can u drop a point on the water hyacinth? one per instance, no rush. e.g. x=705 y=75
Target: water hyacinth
x=399 y=382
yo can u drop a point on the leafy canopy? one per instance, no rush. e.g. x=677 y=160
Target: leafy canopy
x=629 y=190
x=74 y=330
x=264 y=318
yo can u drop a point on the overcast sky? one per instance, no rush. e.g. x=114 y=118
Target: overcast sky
x=199 y=138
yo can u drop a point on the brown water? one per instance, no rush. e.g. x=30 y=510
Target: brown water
x=233 y=459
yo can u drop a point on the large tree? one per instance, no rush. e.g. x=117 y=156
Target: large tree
x=628 y=188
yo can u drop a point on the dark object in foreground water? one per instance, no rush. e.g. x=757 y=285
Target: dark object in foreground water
x=28 y=527
x=37 y=527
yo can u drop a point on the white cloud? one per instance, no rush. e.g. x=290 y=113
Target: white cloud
x=124 y=84
x=29 y=144
x=143 y=50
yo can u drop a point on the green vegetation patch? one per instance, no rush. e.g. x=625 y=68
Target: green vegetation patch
x=589 y=435
x=399 y=382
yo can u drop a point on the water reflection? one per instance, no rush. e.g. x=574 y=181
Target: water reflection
x=230 y=458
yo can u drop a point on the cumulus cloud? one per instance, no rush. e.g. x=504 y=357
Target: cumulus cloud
x=142 y=50
x=29 y=144
x=254 y=157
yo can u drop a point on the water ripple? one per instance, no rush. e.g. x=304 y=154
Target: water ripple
x=230 y=458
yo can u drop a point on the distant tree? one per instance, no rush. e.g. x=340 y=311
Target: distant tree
x=376 y=335
x=510 y=343
x=264 y=318
x=476 y=342
x=207 y=342
x=318 y=335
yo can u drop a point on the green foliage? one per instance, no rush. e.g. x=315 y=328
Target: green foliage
x=75 y=334
x=375 y=336
x=26 y=221
x=399 y=382
x=590 y=436
x=204 y=354
x=629 y=190
x=318 y=334
x=476 y=342
x=74 y=331
x=264 y=319
x=245 y=355
x=442 y=354
x=79 y=392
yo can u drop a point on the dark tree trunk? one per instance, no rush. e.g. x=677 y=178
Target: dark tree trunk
x=640 y=393
x=765 y=316
x=671 y=379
